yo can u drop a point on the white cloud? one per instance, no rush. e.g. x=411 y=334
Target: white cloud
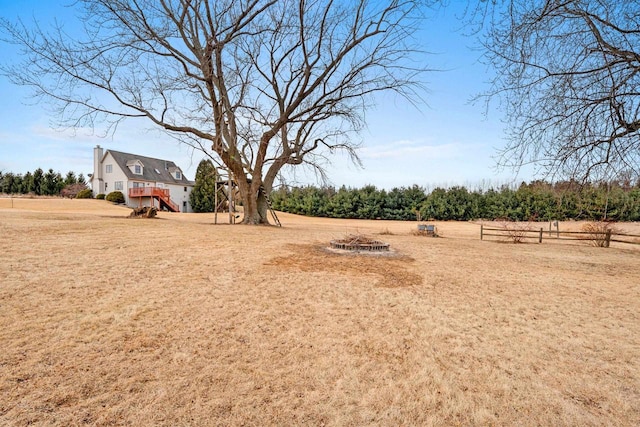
x=407 y=148
x=77 y=135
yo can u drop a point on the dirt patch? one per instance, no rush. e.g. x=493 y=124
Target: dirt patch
x=388 y=271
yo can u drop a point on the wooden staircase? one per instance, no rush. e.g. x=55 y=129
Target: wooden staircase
x=161 y=194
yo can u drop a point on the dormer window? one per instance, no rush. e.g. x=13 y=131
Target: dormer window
x=135 y=166
x=175 y=172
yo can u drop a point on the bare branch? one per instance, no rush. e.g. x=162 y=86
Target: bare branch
x=256 y=84
x=567 y=73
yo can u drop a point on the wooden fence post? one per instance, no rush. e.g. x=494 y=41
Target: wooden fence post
x=215 y=198
x=481 y=229
x=607 y=239
x=540 y=239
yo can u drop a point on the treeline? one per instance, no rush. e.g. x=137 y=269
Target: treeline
x=39 y=183
x=536 y=201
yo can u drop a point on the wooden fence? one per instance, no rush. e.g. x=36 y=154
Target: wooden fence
x=600 y=238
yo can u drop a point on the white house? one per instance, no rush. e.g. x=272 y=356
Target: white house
x=144 y=181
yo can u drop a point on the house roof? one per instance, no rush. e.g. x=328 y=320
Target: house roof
x=156 y=170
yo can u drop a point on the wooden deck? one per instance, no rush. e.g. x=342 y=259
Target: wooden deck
x=162 y=194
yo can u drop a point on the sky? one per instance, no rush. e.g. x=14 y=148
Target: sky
x=447 y=141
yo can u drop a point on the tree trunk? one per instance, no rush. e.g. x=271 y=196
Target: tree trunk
x=254 y=204
x=263 y=207
x=255 y=213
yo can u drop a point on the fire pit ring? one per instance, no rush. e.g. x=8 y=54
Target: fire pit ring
x=356 y=243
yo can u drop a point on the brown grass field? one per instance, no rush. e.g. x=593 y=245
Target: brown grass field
x=174 y=321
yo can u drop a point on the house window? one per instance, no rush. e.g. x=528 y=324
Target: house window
x=137 y=169
x=117 y=185
x=178 y=175
x=185 y=188
x=108 y=168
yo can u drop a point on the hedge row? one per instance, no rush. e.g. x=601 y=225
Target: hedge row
x=534 y=201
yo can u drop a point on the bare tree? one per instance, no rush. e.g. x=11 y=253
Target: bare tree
x=258 y=84
x=568 y=76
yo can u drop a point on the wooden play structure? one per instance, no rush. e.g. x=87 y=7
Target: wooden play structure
x=225 y=195
x=225 y=187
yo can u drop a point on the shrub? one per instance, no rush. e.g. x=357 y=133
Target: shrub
x=115 y=197
x=72 y=190
x=100 y=196
x=386 y=232
x=599 y=232
x=515 y=232
x=84 y=194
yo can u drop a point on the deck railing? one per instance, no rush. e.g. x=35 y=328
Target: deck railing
x=148 y=192
x=161 y=193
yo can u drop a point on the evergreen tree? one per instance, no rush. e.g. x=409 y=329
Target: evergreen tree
x=70 y=178
x=7 y=183
x=202 y=196
x=27 y=183
x=50 y=183
x=18 y=184
x=38 y=181
x=537 y=201
x=59 y=184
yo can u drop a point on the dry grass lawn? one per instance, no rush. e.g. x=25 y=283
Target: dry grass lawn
x=173 y=321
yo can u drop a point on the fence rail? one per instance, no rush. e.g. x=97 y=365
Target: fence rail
x=515 y=234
